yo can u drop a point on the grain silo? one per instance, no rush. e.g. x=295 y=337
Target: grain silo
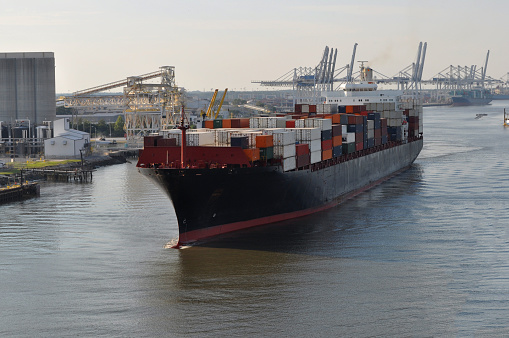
x=27 y=87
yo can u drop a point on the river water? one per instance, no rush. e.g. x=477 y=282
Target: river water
x=423 y=254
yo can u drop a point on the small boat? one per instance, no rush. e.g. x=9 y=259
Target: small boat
x=506 y=119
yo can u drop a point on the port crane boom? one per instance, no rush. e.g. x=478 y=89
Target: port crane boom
x=212 y=103
x=220 y=104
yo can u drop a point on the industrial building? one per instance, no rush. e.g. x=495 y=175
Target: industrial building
x=67 y=143
x=27 y=101
x=27 y=87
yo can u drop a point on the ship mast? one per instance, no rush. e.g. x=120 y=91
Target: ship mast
x=183 y=145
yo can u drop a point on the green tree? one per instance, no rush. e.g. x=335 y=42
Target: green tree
x=102 y=128
x=119 y=126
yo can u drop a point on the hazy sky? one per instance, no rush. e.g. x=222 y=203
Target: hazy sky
x=221 y=43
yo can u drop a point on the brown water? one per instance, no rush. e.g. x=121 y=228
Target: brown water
x=424 y=254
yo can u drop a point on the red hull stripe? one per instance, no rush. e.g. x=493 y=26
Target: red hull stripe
x=196 y=235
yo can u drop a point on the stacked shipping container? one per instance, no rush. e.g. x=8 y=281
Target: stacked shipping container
x=314 y=133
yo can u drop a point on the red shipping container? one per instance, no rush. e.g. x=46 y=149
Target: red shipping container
x=301 y=149
x=337 y=130
x=235 y=123
x=298 y=108
x=244 y=123
x=326 y=154
x=209 y=124
x=290 y=123
x=359 y=146
x=337 y=141
x=312 y=108
x=167 y=142
x=364 y=113
x=253 y=154
x=264 y=141
x=378 y=133
x=378 y=142
x=359 y=137
x=303 y=160
x=349 y=109
x=151 y=141
x=326 y=145
x=352 y=119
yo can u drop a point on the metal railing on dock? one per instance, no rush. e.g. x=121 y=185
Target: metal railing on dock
x=63 y=175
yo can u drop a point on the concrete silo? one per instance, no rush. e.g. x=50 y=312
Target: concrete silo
x=27 y=87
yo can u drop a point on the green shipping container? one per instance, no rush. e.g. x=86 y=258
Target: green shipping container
x=267 y=153
x=348 y=148
x=218 y=124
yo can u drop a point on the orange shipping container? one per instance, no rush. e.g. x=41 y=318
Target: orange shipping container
x=336 y=119
x=264 y=141
x=209 y=124
x=337 y=141
x=253 y=154
x=227 y=123
x=349 y=109
x=327 y=154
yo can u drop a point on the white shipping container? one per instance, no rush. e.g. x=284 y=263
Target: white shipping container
x=371 y=133
x=395 y=114
x=271 y=131
x=200 y=139
x=323 y=124
x=308 y=134
x=281 y=122
x=309 y=123
x=344 y=129
x=284 y=151
x=289 y=163
x=379 y=106
x=263 y=122
x=316 y=156
x=285 y=138
x=371 y=124
x=314 y=145
x=305 y=108
x=300 y=123
x=348 y=137
x=254 y=122
x=394 y=122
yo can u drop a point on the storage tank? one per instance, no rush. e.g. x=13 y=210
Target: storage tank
x=27 y=87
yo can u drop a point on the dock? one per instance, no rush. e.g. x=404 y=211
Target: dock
x=62 y=175
x=19 y=192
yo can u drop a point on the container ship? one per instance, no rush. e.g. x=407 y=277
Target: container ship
x=474 y=97
x=240 y=173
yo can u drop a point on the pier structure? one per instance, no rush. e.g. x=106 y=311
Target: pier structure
x=147 y=107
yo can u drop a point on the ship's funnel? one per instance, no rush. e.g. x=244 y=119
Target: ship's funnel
x=366 y=74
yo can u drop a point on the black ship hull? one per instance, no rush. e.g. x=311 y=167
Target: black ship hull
x=460 y=101
x=212 y=202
